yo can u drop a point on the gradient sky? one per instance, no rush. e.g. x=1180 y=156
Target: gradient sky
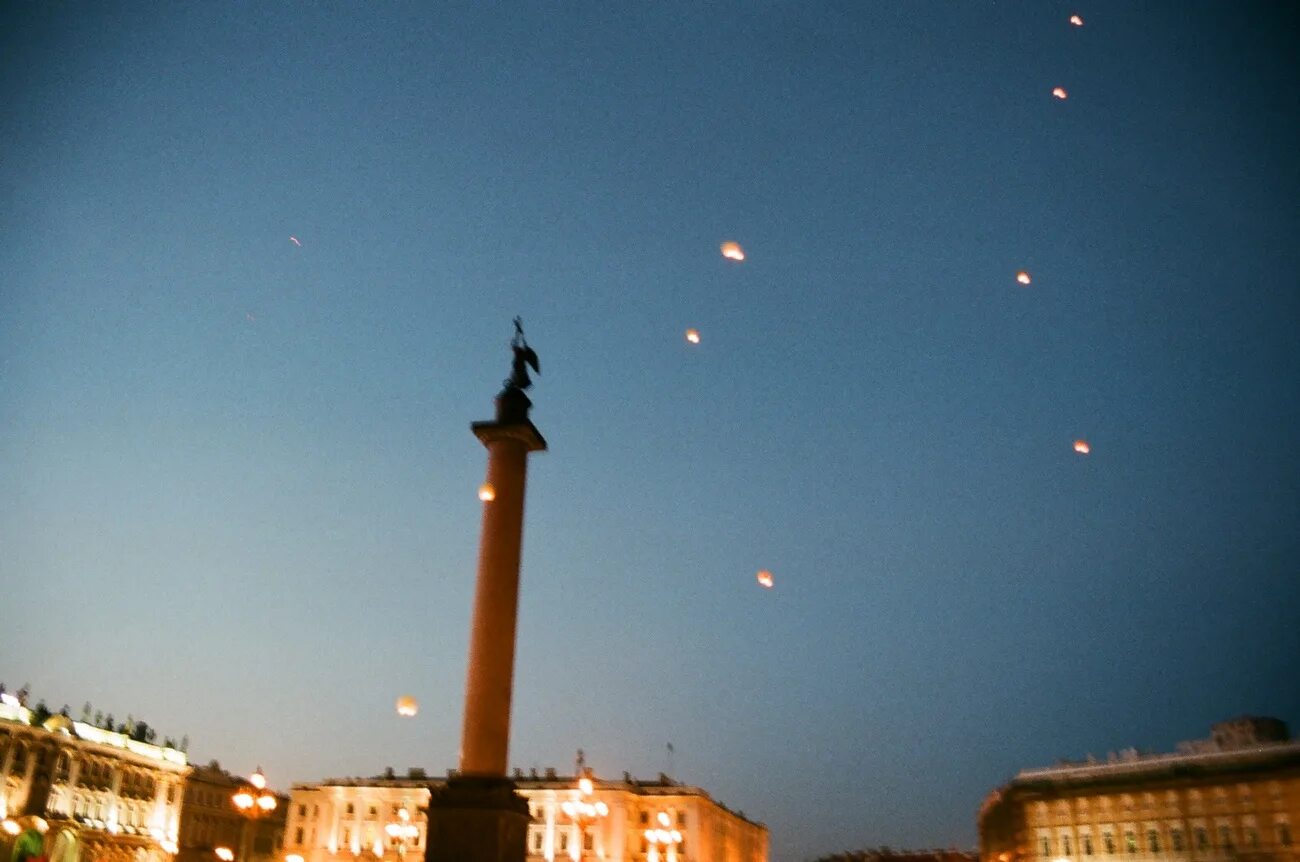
x=237 y=482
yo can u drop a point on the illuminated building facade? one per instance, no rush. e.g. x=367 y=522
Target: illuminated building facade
x=646 y=821
x=103 y=796
x=1234 y=796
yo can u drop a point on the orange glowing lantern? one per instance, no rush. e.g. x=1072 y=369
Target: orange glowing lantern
x=486 y=492
x=1023 y=277
x=1059 y=92
x=765 y=579
x=407 y=706
x=693 y=336
x=1076 y=20
x=733 y=251
x=1082 y=447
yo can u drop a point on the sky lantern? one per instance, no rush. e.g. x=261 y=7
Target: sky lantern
x=733 y=251
x=486 y=492
x=1059 y=92
x=765 y=579
x=693 y=336
x=407 y=706
x=1082 y=447
x=1023 y=277
x=1076 y=20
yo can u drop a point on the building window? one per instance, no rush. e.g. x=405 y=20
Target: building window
x=351 y=809
x=1284 y=834
x=1109 y=841
x=1087 y=845
x=1045 y=845
x=1252 y=836
x=347 y=835
x=564 y=842
x=315 y=812
x=1066 y=849
x=374 y=812
x=297 y=837
x=538 y=837
x=1130 y=841
x=645 y=817
x=681 y=818
x=302 y=810
x=1176 y=839
x=1202 y=839
x=1153 y=841
x=1225 y=837
x=588 y=841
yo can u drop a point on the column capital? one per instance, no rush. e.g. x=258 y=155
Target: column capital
x=525 y=432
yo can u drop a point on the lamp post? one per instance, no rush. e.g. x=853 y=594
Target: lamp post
x=252 y=800
x=583 y=810
x=663 y=837
x=403 y=831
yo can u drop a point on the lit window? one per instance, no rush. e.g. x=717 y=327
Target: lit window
x=1153 y=841
x=1130 y=841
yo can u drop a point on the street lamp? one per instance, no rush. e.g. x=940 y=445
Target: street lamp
x=252 y=800
x=225 y=854
x=666 y=837
x=583 y=811
x=403 y=831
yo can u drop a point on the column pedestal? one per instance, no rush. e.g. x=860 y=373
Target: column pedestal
x=477 y=819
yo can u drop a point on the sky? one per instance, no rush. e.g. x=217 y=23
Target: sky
x=237 y=481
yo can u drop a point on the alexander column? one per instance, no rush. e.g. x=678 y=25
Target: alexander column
x=477 y=816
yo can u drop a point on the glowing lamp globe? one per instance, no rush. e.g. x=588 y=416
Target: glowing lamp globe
x=486 y=492
x=407 y=706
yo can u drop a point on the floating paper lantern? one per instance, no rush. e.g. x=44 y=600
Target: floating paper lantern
x=733 y=251
x=406 y=706
x=1076 y=21
x=486 y=492
x=765 y=579
x=693 y=336
x=1082 y=447
x=1059 y=92
x=1023 y=277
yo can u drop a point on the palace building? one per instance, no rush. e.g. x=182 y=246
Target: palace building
x=574 y=817
x=92 y=794
x=1234 y=797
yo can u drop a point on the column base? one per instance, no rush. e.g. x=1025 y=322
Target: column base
x=477 y=819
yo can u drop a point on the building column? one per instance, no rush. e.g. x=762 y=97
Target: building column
x=477 y=816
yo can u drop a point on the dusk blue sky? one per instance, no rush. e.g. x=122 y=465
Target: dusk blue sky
x=237 y=481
